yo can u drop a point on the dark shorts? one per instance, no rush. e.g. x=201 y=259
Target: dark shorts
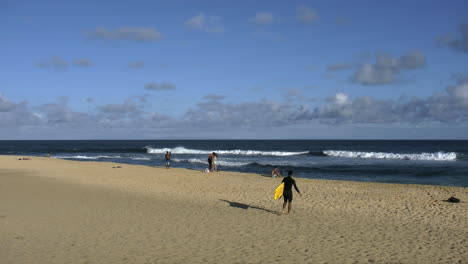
x=288 y=197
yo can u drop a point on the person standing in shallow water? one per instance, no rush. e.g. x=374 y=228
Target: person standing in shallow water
x=289 y=182
x=168 y=159
x=215 y=161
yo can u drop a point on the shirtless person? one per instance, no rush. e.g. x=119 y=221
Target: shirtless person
x=168 y=159
x=275 y=173
x=287 y=193
x=210 y=162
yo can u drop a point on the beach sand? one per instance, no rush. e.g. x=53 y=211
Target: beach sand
x=59 y=211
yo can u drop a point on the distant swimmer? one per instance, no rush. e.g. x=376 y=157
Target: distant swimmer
x=287 y=193
x=168 y=159
x=275 y=173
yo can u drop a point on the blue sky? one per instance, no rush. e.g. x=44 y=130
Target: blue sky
x=234 y=69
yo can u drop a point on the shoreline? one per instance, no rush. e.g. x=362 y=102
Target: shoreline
x=266 y=175
x=61 y=211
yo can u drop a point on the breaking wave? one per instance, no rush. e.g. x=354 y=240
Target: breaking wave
x=182 y=150
x=440 y=156
x=220 y=162
x=88 y=157
x=140 y=158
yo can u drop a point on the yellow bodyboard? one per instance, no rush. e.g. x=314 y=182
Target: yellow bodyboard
x=279 y=191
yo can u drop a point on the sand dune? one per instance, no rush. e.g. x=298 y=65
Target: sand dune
x=58 y=211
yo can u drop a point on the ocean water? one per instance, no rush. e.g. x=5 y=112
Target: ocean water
x=436 y=162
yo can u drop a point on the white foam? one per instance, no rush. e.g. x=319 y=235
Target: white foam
x=220 y=162
x=260 y=153
x=182 y=150
x=87 y=157
x=382 y=155
x=137 y=158
x=176 y=150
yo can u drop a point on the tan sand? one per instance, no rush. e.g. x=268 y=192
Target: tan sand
x=58 y=211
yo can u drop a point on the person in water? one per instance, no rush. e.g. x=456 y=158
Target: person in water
x=275 y=173
x=168 y=159
x=287 y=192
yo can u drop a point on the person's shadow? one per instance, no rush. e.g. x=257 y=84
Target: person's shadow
x=246 y=206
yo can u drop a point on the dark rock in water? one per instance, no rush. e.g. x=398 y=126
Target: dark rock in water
x=453 y=200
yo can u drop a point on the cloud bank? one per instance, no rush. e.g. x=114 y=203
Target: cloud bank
x=447 y=107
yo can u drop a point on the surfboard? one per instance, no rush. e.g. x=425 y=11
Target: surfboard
x=279 y=191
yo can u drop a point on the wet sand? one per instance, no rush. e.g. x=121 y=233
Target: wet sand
x=59 y=211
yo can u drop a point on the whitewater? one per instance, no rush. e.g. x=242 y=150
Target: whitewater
x=438 y=156
x=183 y=150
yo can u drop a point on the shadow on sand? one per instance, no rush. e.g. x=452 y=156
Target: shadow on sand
x=246 y=206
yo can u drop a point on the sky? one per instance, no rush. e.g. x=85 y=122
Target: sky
x=234 y=69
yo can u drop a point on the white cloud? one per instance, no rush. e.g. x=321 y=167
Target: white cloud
x=56 y=63
x=84 y=63
x=339 y=67
x=159 y=86
x=306 y=14
x=263 y=18
x=411 y=60
x=127 y=107
x=5 y=105
x=205 y=23
x=295 y=94
x=369 y=74
x=213 y=97
x=386 y=68
x=458 y=43
x=126 y=33
x=136 y=65
x=339 y=99
x=460 y=92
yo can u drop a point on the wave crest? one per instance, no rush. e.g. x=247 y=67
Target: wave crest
x=182 y=150
x=383 y=155
x=87 y=157
x=220 y=162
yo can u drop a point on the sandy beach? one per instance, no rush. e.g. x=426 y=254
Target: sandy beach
x=59 y=211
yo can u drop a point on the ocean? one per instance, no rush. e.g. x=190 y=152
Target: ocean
x=434 y=162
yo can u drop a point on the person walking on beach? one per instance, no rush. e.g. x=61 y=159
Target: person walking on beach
x=168 y=159
x=289 y=182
